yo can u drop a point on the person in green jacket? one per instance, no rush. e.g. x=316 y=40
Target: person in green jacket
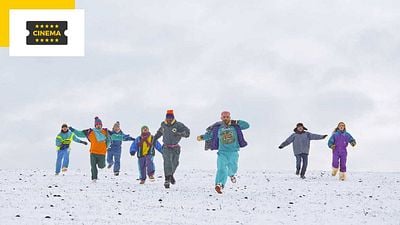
x=63 y=142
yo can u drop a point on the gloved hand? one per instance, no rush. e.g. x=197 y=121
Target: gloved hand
x=84 y=142
x=333 y=147
x=200 y=138
x=280 y=147
x=234 y=122
x=325 y=136
x=71 y=129
x=132 y=153
x=353 y=143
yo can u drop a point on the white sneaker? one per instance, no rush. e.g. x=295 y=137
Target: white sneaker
x=233 y=179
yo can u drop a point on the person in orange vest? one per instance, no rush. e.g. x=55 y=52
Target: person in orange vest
x=100 y=140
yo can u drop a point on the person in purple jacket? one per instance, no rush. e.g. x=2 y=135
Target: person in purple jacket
x=338 y=143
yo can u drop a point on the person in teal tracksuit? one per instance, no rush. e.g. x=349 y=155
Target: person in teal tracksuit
x=63 y=141
x=225 y=136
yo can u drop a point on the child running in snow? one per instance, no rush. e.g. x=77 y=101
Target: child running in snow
x=301 y=146
x=338 y=143
x=226 y=136
x=143 y=146
x=100 y=139
x=114 y=151
x=63 y=142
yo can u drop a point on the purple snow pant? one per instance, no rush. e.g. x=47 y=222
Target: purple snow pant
x=339 y=158
x=146 y=164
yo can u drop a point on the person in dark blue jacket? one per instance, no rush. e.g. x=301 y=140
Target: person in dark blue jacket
x=114 y=151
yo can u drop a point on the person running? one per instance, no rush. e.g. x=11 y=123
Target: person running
x=114 y=151
x=99 y=139
x=227 y=137
x=338 y=142
x=143 y=146
x=172 y=132
x=63 y=142
x=301 y=147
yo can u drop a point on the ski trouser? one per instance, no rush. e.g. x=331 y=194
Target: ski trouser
x=227 y=165
x=114 y=158
x=97 y=160
x=62 y=159
x=339 y=158
x=171 y=160
x=299 y=158
x=146 y=166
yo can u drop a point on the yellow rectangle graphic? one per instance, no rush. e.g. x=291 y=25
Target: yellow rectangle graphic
x=6 y=5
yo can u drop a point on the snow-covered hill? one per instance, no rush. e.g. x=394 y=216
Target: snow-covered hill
x=259 y=197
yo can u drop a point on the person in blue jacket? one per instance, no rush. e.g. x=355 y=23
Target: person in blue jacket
x=114 y=151
x=225 y=136
x=63 y=142
x=143 y=146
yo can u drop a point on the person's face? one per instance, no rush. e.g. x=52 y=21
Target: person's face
x=117 y=129
x=300 y=129
x=226 y=118
x=169 y=120
x=64 y=129
x=98 y=126
x=341 y=126
x=145 y=130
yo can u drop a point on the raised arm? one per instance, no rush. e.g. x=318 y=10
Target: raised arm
x=287 y=142
x=80 y=133
x=316 y=136
x=183 y=130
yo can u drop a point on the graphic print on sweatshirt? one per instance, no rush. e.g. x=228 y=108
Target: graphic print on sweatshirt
x=227 y=136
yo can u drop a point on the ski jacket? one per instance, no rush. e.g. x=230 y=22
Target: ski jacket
x=301 y=141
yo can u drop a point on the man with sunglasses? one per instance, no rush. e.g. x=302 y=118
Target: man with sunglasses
x=225 y=136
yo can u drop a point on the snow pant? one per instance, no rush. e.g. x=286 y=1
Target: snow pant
x=171 y=160
x=97 y=160
x=62 y=159
x=227 y=165
x=114 y=158
x=339 y=158
x=146 y=166
x=299 y=158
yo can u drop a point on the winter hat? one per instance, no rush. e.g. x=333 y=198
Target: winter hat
x=170 y=114
x=144 y=127
x=97 y=121
x=64 y=125
x=116 y=125
x=300 y=125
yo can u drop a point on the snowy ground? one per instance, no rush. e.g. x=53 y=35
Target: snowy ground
x=39 y=197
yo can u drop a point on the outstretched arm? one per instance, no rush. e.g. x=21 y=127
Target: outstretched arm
x=316 y=136
x=80 y=133
x=287 y=142
x=78 y=140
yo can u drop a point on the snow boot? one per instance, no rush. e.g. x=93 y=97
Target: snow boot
x=233 y=179
x=64 y=169
x=172 y=179
x=218 y=188
x=142 y=181
x=334 y=171
x=56 y=174
x=342 y=176
x=167 y=182
x=116 y=173
x=151 y=178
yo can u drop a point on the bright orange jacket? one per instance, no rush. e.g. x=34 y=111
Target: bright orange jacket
x=97 y=147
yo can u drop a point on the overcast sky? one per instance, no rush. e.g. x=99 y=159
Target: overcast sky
x=271 y=63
